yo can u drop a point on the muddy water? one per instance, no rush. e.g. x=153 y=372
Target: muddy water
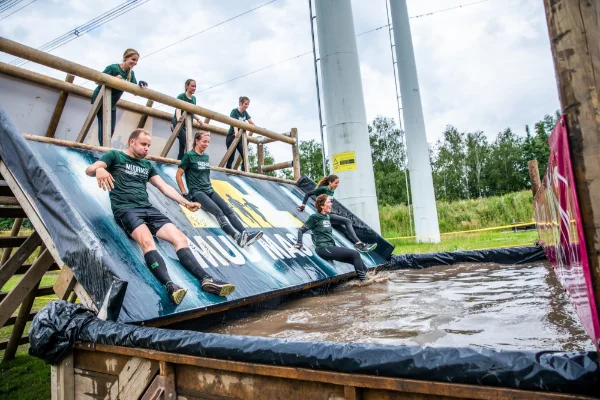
x=486 y=305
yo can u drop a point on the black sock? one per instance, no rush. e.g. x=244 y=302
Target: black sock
x=190 y=263
x=157 y=265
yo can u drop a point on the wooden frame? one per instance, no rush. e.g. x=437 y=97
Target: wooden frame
x=174 y=134
x=89 y=120
x=230 y=151
x=144 y=117
x=58 y=110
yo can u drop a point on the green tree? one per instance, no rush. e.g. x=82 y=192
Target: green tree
x=449 y=167
x=507 y=166
x=476 y=158
x=311 y=159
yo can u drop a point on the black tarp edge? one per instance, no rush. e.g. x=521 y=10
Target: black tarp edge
x=61 y=324
x=511 y=255
x=363 y=231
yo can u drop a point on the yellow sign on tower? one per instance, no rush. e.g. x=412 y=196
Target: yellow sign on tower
x=344 y=162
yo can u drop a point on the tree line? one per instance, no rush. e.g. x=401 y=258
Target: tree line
x=465 y=165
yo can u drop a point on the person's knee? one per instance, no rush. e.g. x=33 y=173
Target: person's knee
x=147 y=243
x=179 y=239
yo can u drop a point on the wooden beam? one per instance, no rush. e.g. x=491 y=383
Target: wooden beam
x=106 y=117
x=295 y=153
x=23 y=340
x=189 y=133
x=135 y=378
x=574 y=29
x=8 y=269
x=11 y=321
x=89 y=120
x=49 y=60
x=12 y=241
x=65 y=283
x=534 y=176
x=12 y=212
x=8 y=201
x=25 y=267
x=42 y=291
x=19 y=327
x=18 y=222
x=230 y=151
x=28 y=283
x=245 y=150
x=85 y=146
x=58 y=110
x=351 y=393
x=144 y=117
x=260 y=154
x=62 y=378
x=4 y=189
x=277 y=166
x=174 y=134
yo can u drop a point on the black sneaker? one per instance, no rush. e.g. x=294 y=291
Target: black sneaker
x=364 y=247
x=362 y=275
x=242 y=239
x=253 y=237
x=176 y=293
x=217 y=287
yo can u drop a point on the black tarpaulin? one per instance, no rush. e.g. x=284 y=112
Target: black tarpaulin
x=61 y=324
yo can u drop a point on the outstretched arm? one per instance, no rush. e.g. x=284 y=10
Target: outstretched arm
x=179 y=179
x=301 y=232
x=305 y=200
x=171 y=193
x=104 y=178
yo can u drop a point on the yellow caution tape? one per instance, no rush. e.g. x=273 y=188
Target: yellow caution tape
x=469 y=231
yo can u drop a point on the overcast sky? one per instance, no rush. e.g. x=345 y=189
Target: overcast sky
x=485 y=66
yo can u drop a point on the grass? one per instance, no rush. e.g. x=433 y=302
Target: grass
x=24 y=378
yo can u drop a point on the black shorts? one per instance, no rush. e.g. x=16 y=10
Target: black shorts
x=132 y=218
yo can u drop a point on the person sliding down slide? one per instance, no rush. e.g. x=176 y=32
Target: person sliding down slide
x=322 y=235
x=125 y=174
x=196 y=168
x=327 y=186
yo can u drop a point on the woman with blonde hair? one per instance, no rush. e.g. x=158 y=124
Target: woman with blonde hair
x=123 y=70
x=188 y=97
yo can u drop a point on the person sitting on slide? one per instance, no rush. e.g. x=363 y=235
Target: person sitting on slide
x=196 y=168
x=327 y=186
x=322 y=236
x=125 y=174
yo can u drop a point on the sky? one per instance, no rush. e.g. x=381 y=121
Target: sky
x=484 y=66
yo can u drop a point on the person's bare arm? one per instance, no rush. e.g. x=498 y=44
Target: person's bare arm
x=179 y=179
x=171 y=193
x=104 y=178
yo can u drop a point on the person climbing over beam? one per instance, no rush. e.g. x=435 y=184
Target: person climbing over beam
x=327 y=186
x=322 y=236
x=188 y=97
x=125 y=175
x=196 y=168
x=124 y=70
x=240 y=113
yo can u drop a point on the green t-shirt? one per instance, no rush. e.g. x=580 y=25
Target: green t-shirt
x=235 y=113
x=183 y=97
x=322 y=234
x=197 y=172
x=324 y=190
x=114 y=70
x=130 y=175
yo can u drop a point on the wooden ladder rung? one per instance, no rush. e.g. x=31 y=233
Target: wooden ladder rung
x=11 y=321
x=42 y=291
x=12 y=241
x=23 y=340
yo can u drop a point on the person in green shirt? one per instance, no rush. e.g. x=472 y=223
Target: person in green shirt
x=125 y=175
x=327 y=186
x=196 y=168
x=123 y=70
x=322 y=236
x=188 y=97
x=240 y=113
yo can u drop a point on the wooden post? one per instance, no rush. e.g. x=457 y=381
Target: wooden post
x=144 y=117
x=189 y=133
x=277 y=166
x=174 y=134
x=260 y=153
x=13 y=232
x=106 y=117
x=9 y=268
x=19 y=326
x=534 y=176
x=89 y=120
x=58 y=110
x=574 y=29
x=230 y=151
x=295 y=153
x=245 y=151
x=62 y=379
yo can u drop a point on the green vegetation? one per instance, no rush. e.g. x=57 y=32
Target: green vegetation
x=24 y=378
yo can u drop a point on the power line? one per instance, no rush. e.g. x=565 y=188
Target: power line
x=8 y=4
x=360 y=34
x=85 y=28
x=6 y=16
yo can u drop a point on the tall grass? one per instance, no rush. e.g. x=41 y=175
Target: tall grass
x=464 y=214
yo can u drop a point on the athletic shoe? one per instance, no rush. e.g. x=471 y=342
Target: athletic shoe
x=242 y=239
x=217 y=287
x=253 y=237
x=176 y=294
x=364 y=247
x=362 y=275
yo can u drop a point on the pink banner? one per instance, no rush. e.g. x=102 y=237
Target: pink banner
x=560 y=231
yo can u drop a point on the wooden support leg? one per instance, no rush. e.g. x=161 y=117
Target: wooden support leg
x=12 y=265
x=245 y=149
x=19 y=326
x=173 y=136
x=62 y=378
x=261 y=157
x=189 y=133
x=13 y=232
x=89 y=120
x=295 y=154
x=58 y=110
x=534 y=176
x=106 y=118
x=144 y=117
x=230 y=151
